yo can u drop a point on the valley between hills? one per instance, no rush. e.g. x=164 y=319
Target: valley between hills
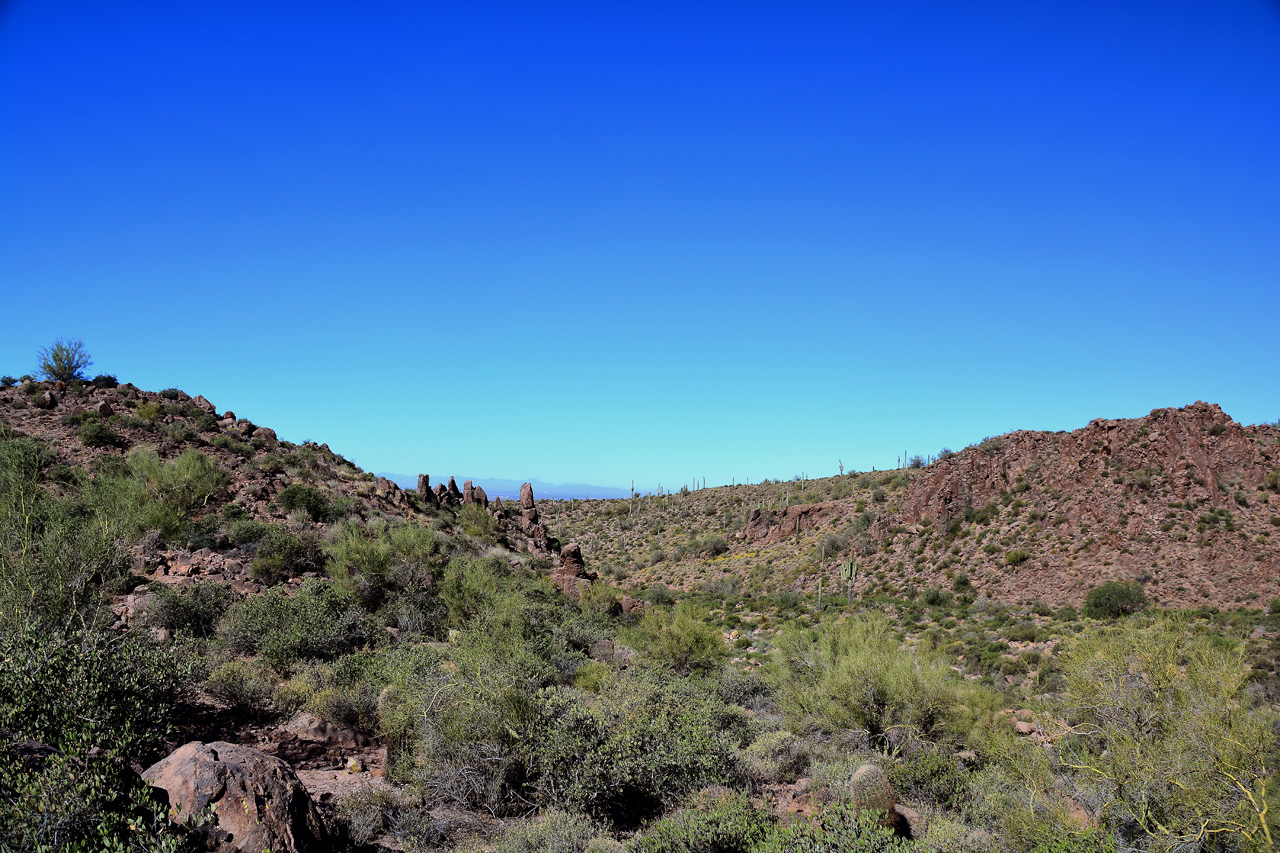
x=216 y=639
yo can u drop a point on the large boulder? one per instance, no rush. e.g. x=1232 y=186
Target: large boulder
x=468 y=493
x=526 y=496
x=267 y=434
x=256 y=801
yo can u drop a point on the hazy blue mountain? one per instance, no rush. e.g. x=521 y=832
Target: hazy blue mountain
x=496 y=487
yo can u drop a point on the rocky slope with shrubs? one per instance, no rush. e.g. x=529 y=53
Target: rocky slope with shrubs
x=212 y=639
x=1183 y=501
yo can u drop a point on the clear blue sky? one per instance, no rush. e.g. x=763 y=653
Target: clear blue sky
x=614 y=241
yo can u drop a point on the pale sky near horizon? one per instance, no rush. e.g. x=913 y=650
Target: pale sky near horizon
x=651 y=242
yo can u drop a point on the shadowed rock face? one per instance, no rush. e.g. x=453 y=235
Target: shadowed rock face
x=257 y=801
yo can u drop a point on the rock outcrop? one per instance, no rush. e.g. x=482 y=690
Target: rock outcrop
x=256 y=801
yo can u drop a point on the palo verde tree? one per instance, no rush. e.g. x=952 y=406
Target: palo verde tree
x=65 y=361
x=1163 y=735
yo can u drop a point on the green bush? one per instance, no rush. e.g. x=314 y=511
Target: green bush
x=931 y=776
x=396 y=564
x=237 y=448
x=1169 y=738
x=640 y=747
x=54 y=558
x=101 y=701
x=473 y=520
x=555 y=832
x=725 y=824
x=195 y=611
x=840 y=828
x=1016 y=557
x=311 y=500
x=245 y=688
x=1114 y=599
x=95 y=433
x=147 y=493
x=246 y=530
x=851 y=675
x=281 y=555
x=680 y=639
x=7 y=381
x=317 y=622
x=64 y=361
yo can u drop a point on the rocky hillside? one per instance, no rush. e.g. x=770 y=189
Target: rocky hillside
x=1183 y=500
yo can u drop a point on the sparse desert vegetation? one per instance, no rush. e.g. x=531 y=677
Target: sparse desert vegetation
x=838 y=664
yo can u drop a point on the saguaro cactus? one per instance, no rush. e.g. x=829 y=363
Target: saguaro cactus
x=848 y=574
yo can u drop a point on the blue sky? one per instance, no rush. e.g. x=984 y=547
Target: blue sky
x=606 y=242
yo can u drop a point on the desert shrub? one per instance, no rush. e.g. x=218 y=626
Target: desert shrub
x=1114 y=599
x=599 y=597
x=54 y=558
x=741 y=687
x=105 y=380
x=851 y=675
x=839 y=828
x=281 y=555
x=150 y=412
x=1168 y=737
x=1217 y=429
x=194 y=611
x=309 y=499
x=317 y=622
x=64 y=361
x=1016 y=557
x=724 y=824
x=237 y=448
x=345 y=690
x=245 y=530
x=641 y=747
x=660 y=594
x=935 y=597
x=932 y=776
x=95 y=433
x=554 y=832
x=474 y=520
x=680 y=639
x=151 y=494
x=111 y=705
x=7 y=381
x=386 y=561
x=245 y=687
x=775 y=757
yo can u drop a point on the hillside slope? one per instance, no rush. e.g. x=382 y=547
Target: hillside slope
x=1183 y=500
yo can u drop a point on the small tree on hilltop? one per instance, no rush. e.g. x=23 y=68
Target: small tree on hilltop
x=65 y=361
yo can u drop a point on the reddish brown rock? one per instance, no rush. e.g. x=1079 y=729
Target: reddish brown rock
x=257 y=801
x=526 y=496
x=267 y=434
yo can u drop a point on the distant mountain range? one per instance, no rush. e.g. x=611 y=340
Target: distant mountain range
x=499 y=488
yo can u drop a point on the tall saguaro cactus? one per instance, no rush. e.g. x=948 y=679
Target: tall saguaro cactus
x=848 y=574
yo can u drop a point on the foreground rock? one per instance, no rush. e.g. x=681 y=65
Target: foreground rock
x=257 y=802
